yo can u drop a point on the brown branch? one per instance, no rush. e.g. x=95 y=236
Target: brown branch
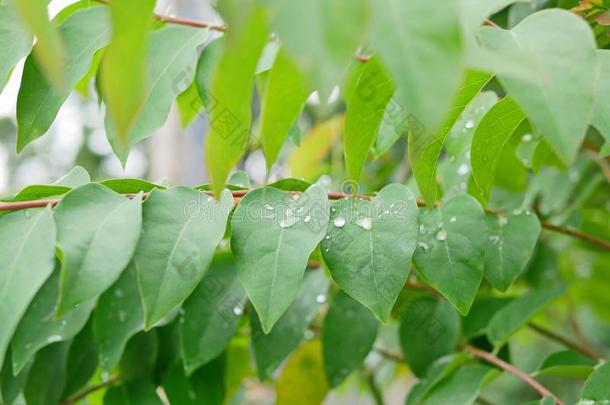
x=237 y=194
x=490 y=358
x=83 y=394
x=388 y=355
x=564 y=341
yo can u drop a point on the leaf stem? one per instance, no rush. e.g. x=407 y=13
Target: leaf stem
x=492 y=359
x=237 y=194
x=564 y=341
x=83 y=394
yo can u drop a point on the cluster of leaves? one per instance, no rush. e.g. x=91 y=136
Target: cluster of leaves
x=104 y=281
x=144 y=292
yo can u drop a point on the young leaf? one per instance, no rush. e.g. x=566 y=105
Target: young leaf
x=47 y=376
x=15 y=42
x=273 y=235
x=123 y=69
x=77 y=176
x=596 y=386
x=284 y=97
x=39 y=327
x=38 y=103
x=492 y=136
x=50 y=51
x=189 y=104
x=451 y=251
x=424 y=149
x=323 y=48
x=302 y=381
x=429 y=330
x=172 y=52
x=130 y=186
x=134 y=393
x=97 y=233
x=424 y=55
x=208 y=60
x=368 y=91
x=462 y=387
x=510 y=245
x=514 y=315
x=118 y=316
x=211 y=314
x=272 y=348
x=567 y=363
x=369 y=246
x=232 y=86
x=181 y=228
x=560 y=105
x=27 y=258
x=348 y=335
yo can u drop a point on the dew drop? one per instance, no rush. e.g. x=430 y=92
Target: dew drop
x=27 y=214
x=339 y=222
x=288 y=222
x=118 y=293
x=424 y=246
x=441 y=235
x=54 y=338
x=452 y=219
x=527 y=138
x=268 y=207
x=494 y=239
x=469 y=124
x=237 y=310
x=307 y=219
x=327 y=237
x=365 y=223
x=463 y=169
x=320 y=298
x=502 y=220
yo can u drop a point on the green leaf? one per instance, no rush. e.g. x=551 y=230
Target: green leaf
x=424 y=55
x=514 y=315
x=290 y=184
x=172 y=52
x=324 y=47
x=118 y=316
x=39 y=327
x=271 y=349
x=36 y=192
x=346 y=317
x=567 y=363
x=205 y=386
x=231 y=88
x=97 y=233
x=369 y=245
x=510 y=245
x=81 y=363
x=134 y=393
x=210 y=315
x=462 y=387
x=130 y=186
x=123 y=69
x=560 y=104
x=368 y=91
x=302 y=381
x=273 y=234
x=77 y=176
x=140 y=356
x=596 y=386
x=27 y=258
x=47 y=376
x=601 y=108
x=15 y=42
x=38 y=102
x=424 y=150
x=11 y=385
x=50 y=51
x=189 y=104
x=451 y=249
x=492 y=136
x=181 y=228
x=208 y=60
x=437 y=371
x=429 y=330
x=283 y=99
x=481 y=312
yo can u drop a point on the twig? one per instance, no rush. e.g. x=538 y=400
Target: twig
x=564 y=341
x=237 y=194
x=81 y=395
x=490 y=358
x=388 y=355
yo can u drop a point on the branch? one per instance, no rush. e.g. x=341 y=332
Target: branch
x=81 y=395
x=490 y=358
x=564 y=341
x=237 y=194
